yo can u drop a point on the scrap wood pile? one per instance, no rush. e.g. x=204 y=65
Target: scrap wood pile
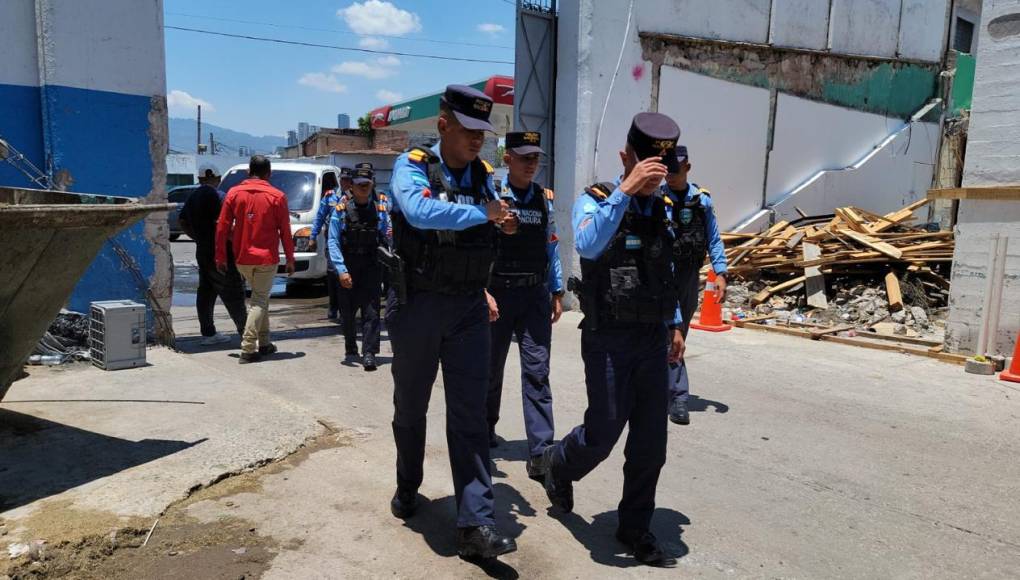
x=852 y=267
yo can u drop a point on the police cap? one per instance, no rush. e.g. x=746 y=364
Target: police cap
x=363 y=175
x=346 y=172
x=655 y=135
x=364 y=165
x=524 y=142
x=681 y=153
x=471 y=107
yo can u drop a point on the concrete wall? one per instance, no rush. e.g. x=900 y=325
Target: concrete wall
x=993 y=151
x=83 y=91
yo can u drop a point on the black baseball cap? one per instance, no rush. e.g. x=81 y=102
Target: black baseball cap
x=524 y=142
x=655 y=135
x=471 y=107
x=346 y=172
x=363 y=175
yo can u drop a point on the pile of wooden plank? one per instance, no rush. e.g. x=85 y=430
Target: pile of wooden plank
x=798 y=256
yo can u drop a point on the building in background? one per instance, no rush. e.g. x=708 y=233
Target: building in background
x=303 y=131
x=292 y=138
x=83 y=96
x=420 y=114
x=343 y=121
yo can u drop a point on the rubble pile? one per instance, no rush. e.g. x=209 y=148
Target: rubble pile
x=853 y=268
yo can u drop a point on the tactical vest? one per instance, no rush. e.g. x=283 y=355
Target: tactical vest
x=689 y=223
x=361 y=234
x=447 y=261
x=632 y=281
x=522 y=258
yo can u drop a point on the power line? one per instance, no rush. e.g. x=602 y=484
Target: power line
x=334 y=47
x=338 y=31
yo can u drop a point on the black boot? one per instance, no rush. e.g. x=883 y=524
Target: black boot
x=645 y=548
x=368 y=362
x=559 y=489
x=404 y=503
x=536 y=468
x=678 y=413
x=483 y=542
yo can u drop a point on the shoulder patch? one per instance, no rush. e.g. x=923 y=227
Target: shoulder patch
x=667 y=200
x=549 y=194
x=487 y=166
x=600 y=191
x=704 y=191
x=418 y=155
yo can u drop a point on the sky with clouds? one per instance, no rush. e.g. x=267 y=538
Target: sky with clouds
x=267 y=88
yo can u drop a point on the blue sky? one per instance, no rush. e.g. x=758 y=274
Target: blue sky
x=267 y=88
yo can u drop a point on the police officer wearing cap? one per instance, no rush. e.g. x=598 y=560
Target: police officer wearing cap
x=527 y=288
x=330 y=197
x=628 y=296
x=697 y=236
x=358 y=227
x=345 y=179
x=445 y=217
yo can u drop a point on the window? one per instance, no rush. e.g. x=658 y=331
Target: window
x=964 y=39
x=179 y=195
x=298 y=186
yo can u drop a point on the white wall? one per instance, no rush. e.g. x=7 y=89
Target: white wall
x=993 y=151
x=800 y=24
x=17 y=29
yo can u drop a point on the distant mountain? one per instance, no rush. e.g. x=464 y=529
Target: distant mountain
x=182 y=137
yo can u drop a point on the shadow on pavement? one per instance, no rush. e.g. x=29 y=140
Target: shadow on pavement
x=696 y=404
x=599 y=536
x=191 y=344
x=436 y=521
x=43 y=458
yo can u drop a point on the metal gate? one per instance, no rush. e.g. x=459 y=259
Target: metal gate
x=535 y=77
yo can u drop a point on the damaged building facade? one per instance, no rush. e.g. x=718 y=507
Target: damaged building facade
x=83 y=88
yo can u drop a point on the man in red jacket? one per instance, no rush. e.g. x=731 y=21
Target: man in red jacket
x=255 y=219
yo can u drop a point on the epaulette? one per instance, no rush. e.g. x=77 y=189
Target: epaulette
x=549 y=194
x=667 y=200
x=703 y=190
x=380 y=206
x=487 y=166
x=420 y=155
x=600 y=191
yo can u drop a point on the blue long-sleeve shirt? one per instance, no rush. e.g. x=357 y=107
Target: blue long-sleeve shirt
x=716 y=249
x=412 y=196
x=322 y=216
x=337 y=223
x=596 y=221
x=555 y=281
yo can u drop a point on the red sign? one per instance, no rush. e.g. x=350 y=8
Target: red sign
x=500 y=90
x=380 y=117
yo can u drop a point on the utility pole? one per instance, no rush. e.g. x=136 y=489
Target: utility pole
x=198 y=144
x=212 y=144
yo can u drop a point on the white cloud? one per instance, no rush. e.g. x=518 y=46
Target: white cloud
x=322 y=82
x=379 y=68
x=181 y=102
x=373 y=42
x=490 y=28
x=388 y=96
x=378 y=17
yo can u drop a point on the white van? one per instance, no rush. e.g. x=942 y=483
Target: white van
x=302 y=184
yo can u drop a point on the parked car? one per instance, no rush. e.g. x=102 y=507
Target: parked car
x=302 y=184
x=177 y=195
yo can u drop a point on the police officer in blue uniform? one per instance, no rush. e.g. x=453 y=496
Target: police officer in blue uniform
x=357 y=229
x=527 y=288
x=697 y=236
x=330 y=196
x=629 y=299
x=445 y=216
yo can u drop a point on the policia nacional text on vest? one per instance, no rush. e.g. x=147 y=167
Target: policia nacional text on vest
x=632 y=281
x=522 y=259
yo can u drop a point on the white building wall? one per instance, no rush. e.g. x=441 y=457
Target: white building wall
x=800 y=24
x=993 y=158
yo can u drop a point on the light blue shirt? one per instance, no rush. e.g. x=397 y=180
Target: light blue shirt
x=337 y=223
x=555 y=282
x=596 y=221
x=326 y=205
x=716 y=249
x=408 y=188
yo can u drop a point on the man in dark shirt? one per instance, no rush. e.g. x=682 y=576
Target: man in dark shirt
x=198 y=220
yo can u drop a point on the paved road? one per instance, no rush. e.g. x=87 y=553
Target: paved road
x=803 y=460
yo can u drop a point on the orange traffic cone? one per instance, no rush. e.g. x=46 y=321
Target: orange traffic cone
x=711 y=311
x=1012 y=374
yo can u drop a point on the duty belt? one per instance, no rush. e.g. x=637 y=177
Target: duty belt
x=524 y=281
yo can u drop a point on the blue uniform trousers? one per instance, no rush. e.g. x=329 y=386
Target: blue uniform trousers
x=364 y=296
x=430 y=330
x=679 y=386
x=527 y=314
x=625 y=375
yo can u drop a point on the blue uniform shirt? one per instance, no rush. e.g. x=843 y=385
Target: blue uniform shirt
x=410 y=195
x=337 y=223
x=555 y=281
x=595 y=222
x=716 y=250
x=326 y=205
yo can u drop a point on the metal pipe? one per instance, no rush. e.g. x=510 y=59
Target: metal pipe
x=998 y=275
x=982 y=344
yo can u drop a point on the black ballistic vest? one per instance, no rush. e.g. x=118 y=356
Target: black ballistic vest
x=524 y=253
x=447 y=261
x=632 y=281
x=689 y=223
x=361 y=235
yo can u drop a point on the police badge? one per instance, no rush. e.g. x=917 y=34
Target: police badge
x=686 y=215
